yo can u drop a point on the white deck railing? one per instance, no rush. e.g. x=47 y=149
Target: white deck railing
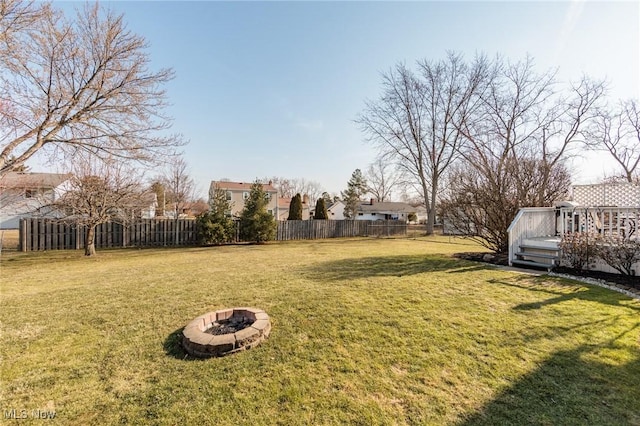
x=616 y=221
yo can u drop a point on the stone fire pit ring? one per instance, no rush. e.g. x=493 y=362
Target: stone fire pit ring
x=225 y=332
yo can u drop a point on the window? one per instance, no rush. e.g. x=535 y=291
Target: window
x=373 y=214
x=245 y=195
x=29 y=193
x=228 y=195
x=360 y=214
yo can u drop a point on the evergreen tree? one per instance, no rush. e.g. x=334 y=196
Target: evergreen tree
x=256 y=224
x=356 y=188
x=216 y=226
x=295 y=208
x=321 y=210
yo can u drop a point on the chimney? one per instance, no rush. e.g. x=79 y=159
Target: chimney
x=305 y=199
x=373 y=200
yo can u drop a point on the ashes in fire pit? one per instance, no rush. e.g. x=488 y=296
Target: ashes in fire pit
x=225 y=332
x=228 y=326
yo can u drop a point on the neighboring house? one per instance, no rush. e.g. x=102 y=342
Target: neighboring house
x=148 y=205
x=421 y=215
x=283 y=208
x=136 y=206
x=336 y=210
x=29 y=195
x=386 y=210
x=238 y=192
x=187 y=210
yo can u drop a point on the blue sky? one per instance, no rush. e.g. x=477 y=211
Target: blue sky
x=273 y=88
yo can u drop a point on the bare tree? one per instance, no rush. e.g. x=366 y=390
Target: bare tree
x=282 y=185
x=289 y=187
x=17 y=16
x=73 y=86
x=517 y=142
x=617 y=131
x=101 y=191
x=415 y=120
x=179 y=187
x=382 y=179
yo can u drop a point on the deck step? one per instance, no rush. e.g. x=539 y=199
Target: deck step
x=538 y=255
x=542 y=248
x=532 y=263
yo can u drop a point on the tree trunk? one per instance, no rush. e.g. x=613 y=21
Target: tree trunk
x=90 y=245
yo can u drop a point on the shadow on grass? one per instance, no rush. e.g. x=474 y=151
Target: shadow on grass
x=590 y=294
x=173 y=347
x=388 y=266
x=568 y=388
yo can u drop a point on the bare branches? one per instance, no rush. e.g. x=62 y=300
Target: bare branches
x=82 y=86
x=381 y=180
x=100 y=191
x=517 y=140
x=617 y=131
x=179 y=185
x=417 y=120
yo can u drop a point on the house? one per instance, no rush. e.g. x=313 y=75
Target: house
x=29 y=195
x=335 y=210
x=187 y=209
x=386 y=210
x=238 y=192
x=146 y=205
x=283 y=208
x=604 y=209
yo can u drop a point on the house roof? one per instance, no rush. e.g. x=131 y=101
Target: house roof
x=33 y=180
x=386 y=206
x=240 y=186
x=285 y=202
x=334 y=204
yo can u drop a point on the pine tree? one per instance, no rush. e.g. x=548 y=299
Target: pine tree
x=295 y=208
x=356 y=188
x=321 y=210
x=216 y=226
x=256 y=224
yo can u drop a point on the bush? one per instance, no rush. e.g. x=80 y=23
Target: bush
x=619 y=253
x=580 y=249
x=321 y=210
x=215 y=229
x=295 y=208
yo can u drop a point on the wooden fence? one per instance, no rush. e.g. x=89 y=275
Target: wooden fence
x=47 y=234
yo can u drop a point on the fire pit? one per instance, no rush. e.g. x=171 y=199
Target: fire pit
x=225 y=332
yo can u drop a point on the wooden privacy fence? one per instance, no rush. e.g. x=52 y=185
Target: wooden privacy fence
x=47 y=234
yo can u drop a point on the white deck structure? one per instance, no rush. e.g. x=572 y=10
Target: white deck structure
x=535 y=232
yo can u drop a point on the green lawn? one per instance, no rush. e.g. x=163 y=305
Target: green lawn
x=365 y=331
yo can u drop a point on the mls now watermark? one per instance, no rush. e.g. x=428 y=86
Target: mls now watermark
x=17 y=414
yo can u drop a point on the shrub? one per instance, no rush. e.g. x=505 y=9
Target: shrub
x=321 y=210
x=295 y=208
x=580 y=249
x=215 y=229
x=619 y=253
